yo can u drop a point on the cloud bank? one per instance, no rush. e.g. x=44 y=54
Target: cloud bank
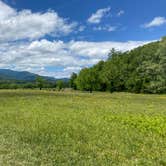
x=71 y=56
x=24 y=47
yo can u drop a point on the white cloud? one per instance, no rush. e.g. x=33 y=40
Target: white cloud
x=97 y=17
x=121 y=12
x=6 y=11
x=105 y=28
x=157 y=21
x=100 y=50
x=37 y=55
x=24 y=24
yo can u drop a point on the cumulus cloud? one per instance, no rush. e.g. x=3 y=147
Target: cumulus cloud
x=24 y=24
x=157 y=21
x=71 y=56
x=96 y=18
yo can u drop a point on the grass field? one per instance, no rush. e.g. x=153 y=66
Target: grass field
x=73 y=128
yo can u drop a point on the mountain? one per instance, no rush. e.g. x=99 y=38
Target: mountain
x=6 y=74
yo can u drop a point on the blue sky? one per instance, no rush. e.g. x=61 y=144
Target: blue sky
x=58 y=37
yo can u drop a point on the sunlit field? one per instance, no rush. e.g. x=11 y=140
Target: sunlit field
x=75 y=128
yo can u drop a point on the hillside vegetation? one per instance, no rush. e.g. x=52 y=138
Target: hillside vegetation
x=10 y=79
x=142 y=70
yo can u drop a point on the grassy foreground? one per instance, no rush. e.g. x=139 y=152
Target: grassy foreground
x=73 y=128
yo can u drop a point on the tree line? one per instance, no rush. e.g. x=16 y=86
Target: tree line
x=39 y=83
x=141 y=70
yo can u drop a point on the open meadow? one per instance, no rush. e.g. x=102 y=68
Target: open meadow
x=75 y=128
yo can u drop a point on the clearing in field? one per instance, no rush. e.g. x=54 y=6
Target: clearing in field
x=74 y=128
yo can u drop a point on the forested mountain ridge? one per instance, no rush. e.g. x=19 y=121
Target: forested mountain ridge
x=10 y=79
x=6 y=74
x=141 y=70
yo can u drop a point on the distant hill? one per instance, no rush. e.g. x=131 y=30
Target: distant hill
x=10 y=75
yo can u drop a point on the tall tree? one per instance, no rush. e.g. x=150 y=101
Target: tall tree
x=40 y=82
x=87 y=80
x=60 y=85
x=72 y=81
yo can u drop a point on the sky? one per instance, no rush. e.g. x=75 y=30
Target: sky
x=58 y=37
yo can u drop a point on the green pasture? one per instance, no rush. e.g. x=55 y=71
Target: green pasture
x=44 y=128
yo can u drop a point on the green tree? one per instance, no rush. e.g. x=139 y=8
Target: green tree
x=72 y=81
x=60 y=85
x=87 y=80
x=113 y=53
x=40 y=82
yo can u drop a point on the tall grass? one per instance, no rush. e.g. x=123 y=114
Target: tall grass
x=74 y=128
